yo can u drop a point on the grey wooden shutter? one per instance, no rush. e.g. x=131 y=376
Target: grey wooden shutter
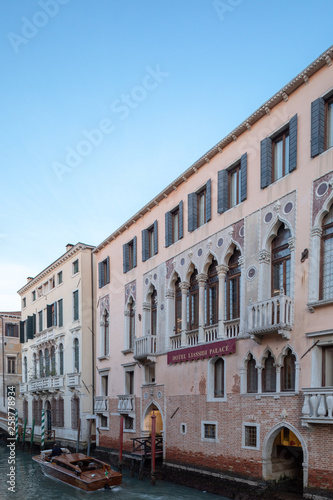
x=125 y=258
x=168 y=229
x=134 y=251
x=155 y=238
x=100 y=275
x=222 y=191
x=145 y=245
x=55 y=315
x=108 y=270
x=49 y=316
x=293 y=143
x=181 y=218
x=30 y=332
x=22 y=339
x=265 y=162
x=6 y=329
x=243 y=179
x=34 y=324
x=317 y=126
x=192 y=211
x=208 y=200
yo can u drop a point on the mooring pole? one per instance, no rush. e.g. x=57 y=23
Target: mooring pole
x=153 y=435
x=78 y=436
x=32 y=435
x=121 y=443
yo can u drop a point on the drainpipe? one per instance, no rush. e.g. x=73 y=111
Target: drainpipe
x=92 y=333
x=3 y=364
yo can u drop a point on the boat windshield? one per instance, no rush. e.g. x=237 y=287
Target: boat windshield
x=87 y=465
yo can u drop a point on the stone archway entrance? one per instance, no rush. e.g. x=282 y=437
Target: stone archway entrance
x=147 y=420
x=285 y=456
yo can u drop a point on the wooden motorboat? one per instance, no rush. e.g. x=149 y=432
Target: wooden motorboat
x=78 y=470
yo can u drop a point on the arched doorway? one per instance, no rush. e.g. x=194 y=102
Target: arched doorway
x=48 y=417
x=147 y=421
x=285 y=456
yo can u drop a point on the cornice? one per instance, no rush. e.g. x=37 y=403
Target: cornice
x=282 y=95
x=32 y=283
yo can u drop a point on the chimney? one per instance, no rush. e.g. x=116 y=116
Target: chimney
x=69 y=246
x=29 y=278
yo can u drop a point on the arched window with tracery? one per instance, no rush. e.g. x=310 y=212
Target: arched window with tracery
x=34 y=362
x=269 y=375
x=178 y=307
x=61 y=359
x=76 y=356
x=288 y=372
x=106 y=333
x=41 y=364
x=211 y=295
x=153 y=312
x=131 y=331
x=281 y=262
x=326 y=258
x=193 y=302
x=53 y=361
x=25 y=369
x=232 y=287
x=252 y=375
x=47 y=362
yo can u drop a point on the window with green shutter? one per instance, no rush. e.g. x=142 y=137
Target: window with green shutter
x=199 y=207
x=60 y=313
x=76 y=305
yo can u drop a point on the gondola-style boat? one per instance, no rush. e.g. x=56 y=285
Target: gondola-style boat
x=76 y=469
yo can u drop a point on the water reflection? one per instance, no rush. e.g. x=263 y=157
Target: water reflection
x=32 y=484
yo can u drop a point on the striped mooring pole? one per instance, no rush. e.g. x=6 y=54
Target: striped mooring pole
x=42 y=433
x=16 y=425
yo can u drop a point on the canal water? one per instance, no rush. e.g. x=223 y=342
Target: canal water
x=32 y=484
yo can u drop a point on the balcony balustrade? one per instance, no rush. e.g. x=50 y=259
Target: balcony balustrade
x=175 y=342
x=192 y=337
x=46 y=384
x=126 y=404
x=24 y=388
x=231 y=328
x=211 y=333
x=273 y=315
x=318 y=405
x=101 y=403
x=73 y=380
x=145 y=346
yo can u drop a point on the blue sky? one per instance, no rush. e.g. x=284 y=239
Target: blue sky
x=105 y=102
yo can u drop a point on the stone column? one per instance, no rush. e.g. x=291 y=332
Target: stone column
x=242 y=308
x=184 y=285
x=170 y=316
x=127 y=320
x=146 y=328
x=264 y=275
x=202 y=278
x=314 y=268
x=259 y=368
x=278 y=377
x=221 y=272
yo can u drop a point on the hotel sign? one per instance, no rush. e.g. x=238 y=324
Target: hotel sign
x=202 y=351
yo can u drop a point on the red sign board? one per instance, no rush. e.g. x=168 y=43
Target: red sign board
x=202 y=351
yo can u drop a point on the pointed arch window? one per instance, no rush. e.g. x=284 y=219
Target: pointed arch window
x=193 y=303
x=47 y=362
x=252 y=375
x=288 y=372
x=53 y=361
x=281 y=262
x=131 y=324
x=211 y=295
x=232 y=287
x=106 y=333
x=153 y=312
x=25 y=369
x=326 y=260
x=269 y=375
x=178 y=307
x=41 y=364
x=34 y=361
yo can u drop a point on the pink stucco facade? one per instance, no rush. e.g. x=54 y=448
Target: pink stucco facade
x=229 y=425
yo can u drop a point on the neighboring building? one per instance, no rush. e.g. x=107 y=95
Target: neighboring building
x=56 y=333
x=10 y=360
x=215 y=301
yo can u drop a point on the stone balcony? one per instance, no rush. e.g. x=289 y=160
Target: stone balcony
x=145 y=346
x=273 y=315
x=24 y=388
x=126 y=404
x=73 y=380
x=101 y=404
x=46 y=384
x=318 y=405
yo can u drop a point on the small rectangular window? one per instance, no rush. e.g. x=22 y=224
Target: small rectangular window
x=33 y=296
x=250 y=436
x=280 y=146
x=150 y=373
x=175 y=225
x=40 y=321
x=149 y=242
x=128 y=423
x=76 y=266
x=59 y=276
x=234 y=185
x=209 y=431
x=11 y=365
x=201 y=210
x=24 y=302
x=129 y=255
x=11 y=330
x=39 y=292
x=104 y=272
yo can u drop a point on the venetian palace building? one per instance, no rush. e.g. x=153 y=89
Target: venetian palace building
x=56 y=334
x=215 y=301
